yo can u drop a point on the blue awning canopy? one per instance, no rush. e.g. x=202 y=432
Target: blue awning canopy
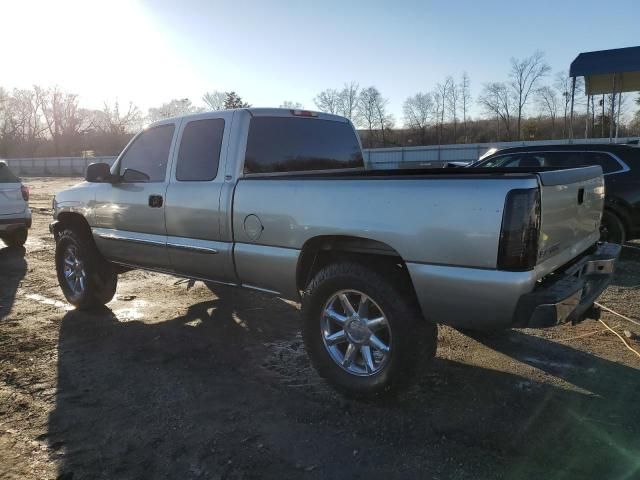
x=608 y=71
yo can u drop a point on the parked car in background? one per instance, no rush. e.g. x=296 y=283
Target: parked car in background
x=279 y=200
x=620 y=165
x=15 y=215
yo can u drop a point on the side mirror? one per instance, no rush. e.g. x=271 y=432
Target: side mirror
x=131 y=175
x=98 y=173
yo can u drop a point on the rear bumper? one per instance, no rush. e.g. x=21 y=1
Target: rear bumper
x=478 y=299
x=15 y=222
x=566 y=296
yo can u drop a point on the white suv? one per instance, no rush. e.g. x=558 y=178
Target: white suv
x=15 y=215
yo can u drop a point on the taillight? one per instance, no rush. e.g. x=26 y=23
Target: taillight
x=304 y=113
x=520 y=232
x=25 y=192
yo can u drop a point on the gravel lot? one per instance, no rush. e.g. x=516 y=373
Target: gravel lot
x=174 y=383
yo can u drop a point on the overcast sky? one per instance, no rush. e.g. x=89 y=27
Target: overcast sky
x=270 y=51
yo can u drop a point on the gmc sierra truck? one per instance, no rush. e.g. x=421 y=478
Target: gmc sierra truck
x=279 y=200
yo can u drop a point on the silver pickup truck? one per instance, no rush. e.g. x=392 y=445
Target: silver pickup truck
x=279 y=200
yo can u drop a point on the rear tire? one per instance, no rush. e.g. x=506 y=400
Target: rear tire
x=612 y=228
x=17 y=238
x=85 y=277
x=370 y=371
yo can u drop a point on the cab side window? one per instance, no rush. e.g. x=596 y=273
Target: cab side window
x=559 y=159
x=199 y=154
x=510 y=161
x=149 y=154
x=607 y=162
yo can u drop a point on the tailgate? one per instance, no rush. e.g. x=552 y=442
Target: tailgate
x=572 y=201
x=11 y=201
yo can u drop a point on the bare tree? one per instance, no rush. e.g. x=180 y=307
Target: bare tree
x=348 y=99
x=7 y=125
x=372 y=109
x=64 y=118
x=550 y=104
x=26 y=106
x=291 y=105
x=525 y=75
x=441 y=94
x=367 y=111
x=418 y=112
x=453 y=99
x=113 y=120
x=437 y=109
x=328 y=101
x=214 y=100
x=465 y=100
x=385 y=119
x=173 y=108
x=563 y=84
x=496 y=100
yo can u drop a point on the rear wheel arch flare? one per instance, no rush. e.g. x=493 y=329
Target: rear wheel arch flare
x=319 y=251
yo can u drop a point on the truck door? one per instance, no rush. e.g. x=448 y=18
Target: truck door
x=198 y=243
x=129 y=215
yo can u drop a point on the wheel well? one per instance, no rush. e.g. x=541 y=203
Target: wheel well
x=321 y=251
x=74 y=221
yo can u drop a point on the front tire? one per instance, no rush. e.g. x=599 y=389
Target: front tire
x=365 y=337
x=87 y=280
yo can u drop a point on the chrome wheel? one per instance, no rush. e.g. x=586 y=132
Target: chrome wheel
x=356 y=333
x=74 y=273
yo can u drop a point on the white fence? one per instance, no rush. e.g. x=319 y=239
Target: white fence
x=432 y=156
x=53 y=166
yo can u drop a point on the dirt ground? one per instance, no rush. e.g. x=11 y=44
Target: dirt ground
x=174 y=383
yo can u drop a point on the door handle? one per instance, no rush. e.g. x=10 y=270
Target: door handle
x=155 y=201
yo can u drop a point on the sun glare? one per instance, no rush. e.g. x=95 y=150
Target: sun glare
x=96 y=49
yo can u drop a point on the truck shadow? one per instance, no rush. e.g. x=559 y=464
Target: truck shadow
x=598 y=429
x=190 y=397
x=13 y=268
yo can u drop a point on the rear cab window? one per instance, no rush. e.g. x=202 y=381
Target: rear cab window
x=6 y=175
x=199 y=153
x=283 y=144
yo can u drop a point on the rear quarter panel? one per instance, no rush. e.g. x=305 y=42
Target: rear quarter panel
x=435 y=221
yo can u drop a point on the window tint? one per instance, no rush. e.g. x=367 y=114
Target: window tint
x=559 y=159
x=281 y=144
x=608 y=163
x=149 y=153
x=199 y=152
x=514 y=160
x=537 y=159
x=6 y=175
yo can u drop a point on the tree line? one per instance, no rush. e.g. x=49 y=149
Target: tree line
x=41 y=122
x=530 y=104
